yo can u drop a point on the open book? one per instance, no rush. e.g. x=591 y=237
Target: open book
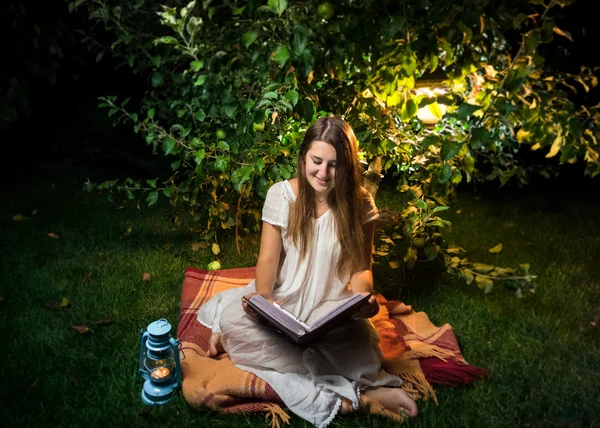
x=298 y=331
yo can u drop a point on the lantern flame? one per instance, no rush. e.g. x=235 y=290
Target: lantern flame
x=160 y=373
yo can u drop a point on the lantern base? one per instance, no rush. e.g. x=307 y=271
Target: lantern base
x=154 y=394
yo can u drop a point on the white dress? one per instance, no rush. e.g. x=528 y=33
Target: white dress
x=310 y=381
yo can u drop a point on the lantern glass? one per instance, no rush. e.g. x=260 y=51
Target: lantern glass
x=159 y=365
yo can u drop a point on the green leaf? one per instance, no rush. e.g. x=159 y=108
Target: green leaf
x=168 y=191
x=484 y=283
x=156 y=61
x=200 y=115
x=468 y=164
x=151 y=113
x=152 y=198
x=193 y=24
x=157 y=79
x=467 y=275
x=292 y=97
x=409 y=110
x=420 y=203
x=200 y=80
x=430 y=140
x=282 y=54
x=175 y=165
x=449 y=149
x=230 y=109
x=483 y=268
x=278 y=6
x=432 y=251
x=223 y=145
x=241 y=175
x=445 y=173
x=518 y=20
x=479 y=137
x=433 y=61
x=199 y=157
x=410 y=257
x=299 y=40
x=434 y=109
x=197 y=65
x=496 y=249
x=249 y=37
x=168 y=40
x=261 y=186
x=440 y=208
x=222 y=163
x=305 y=109
x=465 y=110
x=152 y=183
x=168 y=145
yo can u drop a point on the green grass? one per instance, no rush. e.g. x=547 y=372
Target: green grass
x=541 y=351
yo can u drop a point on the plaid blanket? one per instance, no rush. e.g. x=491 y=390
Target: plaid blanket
x=413 y=348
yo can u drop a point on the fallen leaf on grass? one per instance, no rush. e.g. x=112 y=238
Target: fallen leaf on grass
x=73 y=381
x=394 y=265
x=58 y=305
x=81 y=329
x=496 y=249
x=53 y=235
x=105 y=322
x=87 y=277
x=33 y=385
x=146 y=276
x=19 y=217
x=196 y=246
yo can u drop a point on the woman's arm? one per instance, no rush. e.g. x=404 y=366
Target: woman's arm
x=268 y=259
x=266 y=267
x=362 y=280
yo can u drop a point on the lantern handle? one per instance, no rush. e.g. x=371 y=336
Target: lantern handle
x=143 y=340
x=175 y=343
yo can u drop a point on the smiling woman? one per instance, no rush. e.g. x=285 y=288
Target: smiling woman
x=315 y=252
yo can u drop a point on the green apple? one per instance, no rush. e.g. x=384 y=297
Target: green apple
x=221 y=134
x=325 y=10
x=214 y=265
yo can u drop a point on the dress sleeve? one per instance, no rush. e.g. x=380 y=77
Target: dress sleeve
x=369 y=211
x=276 y=207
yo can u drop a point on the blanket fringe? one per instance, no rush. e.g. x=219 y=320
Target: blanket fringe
x=417 y=385
x=276 y=413
x=431 y=351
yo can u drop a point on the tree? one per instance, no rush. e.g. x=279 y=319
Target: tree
x=233 y=85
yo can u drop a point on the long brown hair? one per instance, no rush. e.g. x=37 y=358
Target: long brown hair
x=345 y=199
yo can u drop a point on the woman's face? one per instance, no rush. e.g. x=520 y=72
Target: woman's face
x=320 y=166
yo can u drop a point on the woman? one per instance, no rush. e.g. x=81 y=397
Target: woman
x=316 y=246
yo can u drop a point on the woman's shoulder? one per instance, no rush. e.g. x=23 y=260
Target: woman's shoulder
x=281 y=191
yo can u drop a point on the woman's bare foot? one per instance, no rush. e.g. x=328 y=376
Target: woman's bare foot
x=215 y=346
x=394 y=399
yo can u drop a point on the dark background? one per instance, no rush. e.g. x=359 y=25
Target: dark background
x=61 y=124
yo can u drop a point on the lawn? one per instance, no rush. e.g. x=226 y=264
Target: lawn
x=542 y=351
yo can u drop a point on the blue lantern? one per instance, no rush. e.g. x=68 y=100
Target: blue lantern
x=159 y=363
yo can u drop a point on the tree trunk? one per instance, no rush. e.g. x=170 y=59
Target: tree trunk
x=373 y=176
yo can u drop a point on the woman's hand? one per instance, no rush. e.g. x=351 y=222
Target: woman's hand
x=247 y=308
x=215 y=345
x=369 y=309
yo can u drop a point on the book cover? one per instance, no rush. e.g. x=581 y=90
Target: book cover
x=297 y=330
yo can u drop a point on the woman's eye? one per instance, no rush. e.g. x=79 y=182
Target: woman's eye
x=317 y=163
